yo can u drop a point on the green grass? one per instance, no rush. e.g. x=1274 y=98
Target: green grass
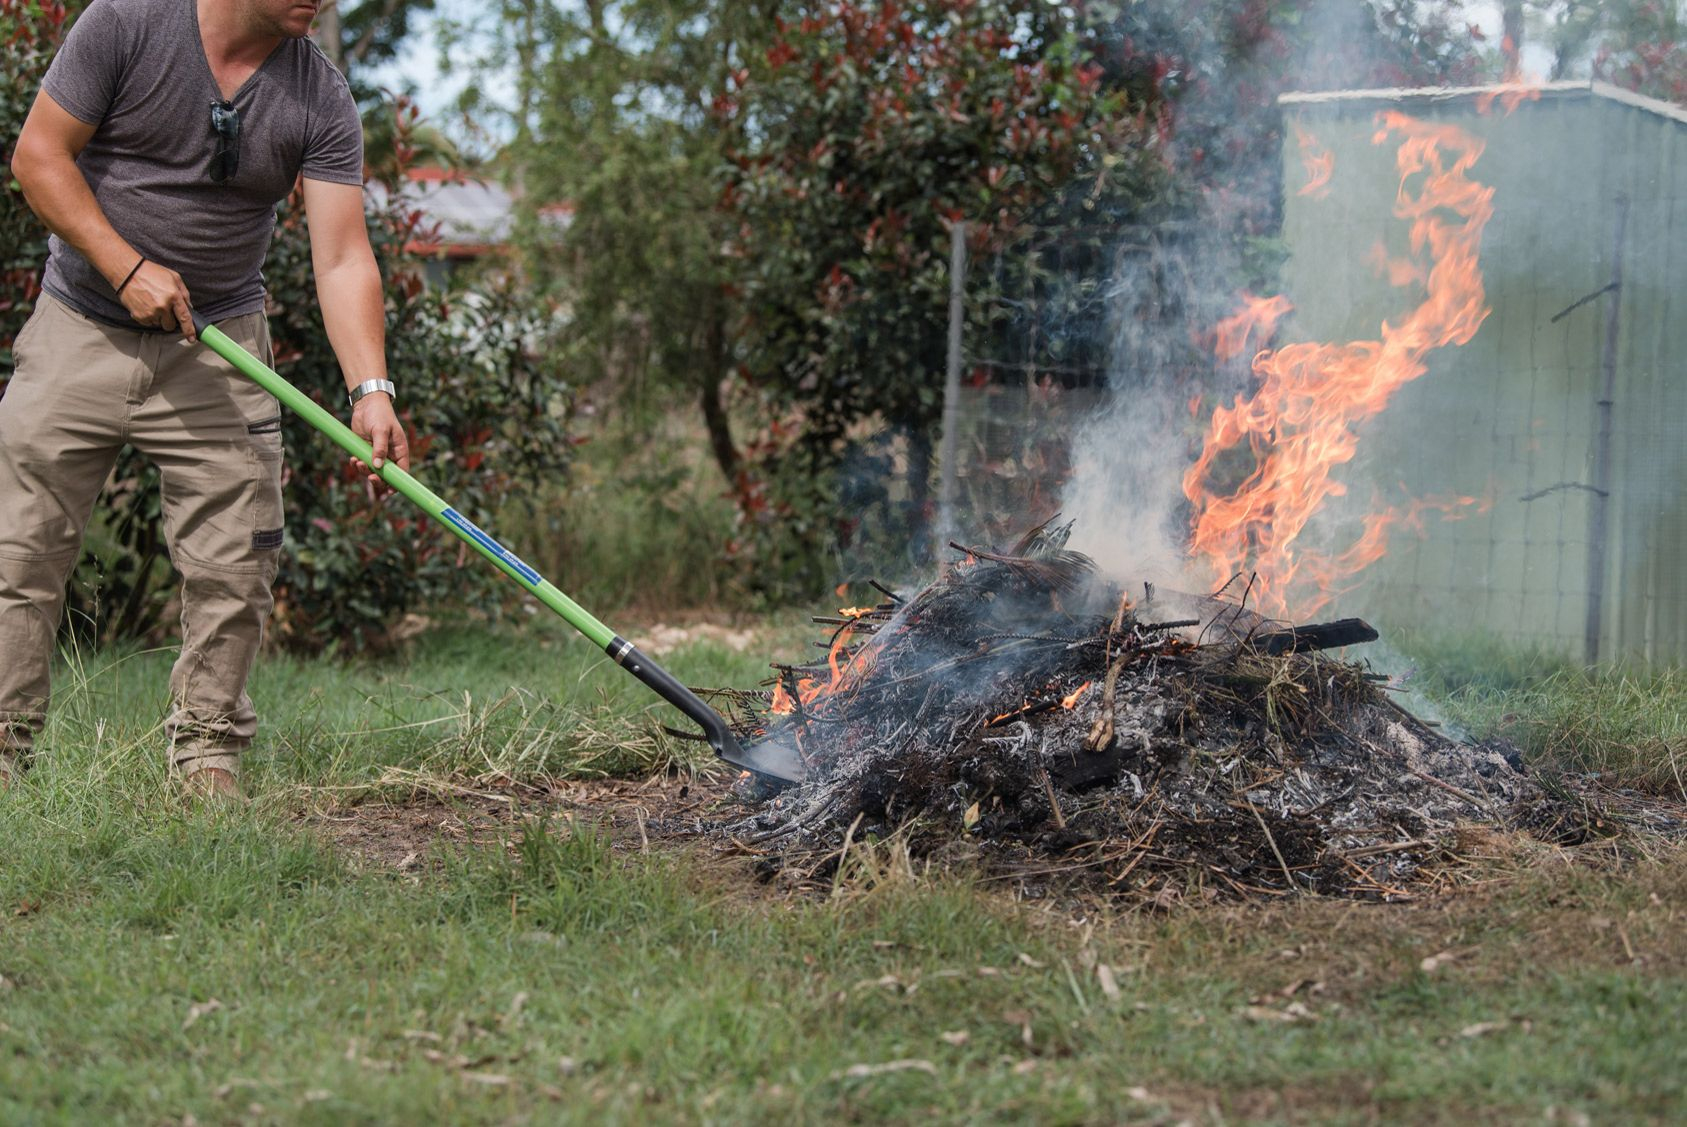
x=529 y=700
x=158 y=963
x=1628 y=723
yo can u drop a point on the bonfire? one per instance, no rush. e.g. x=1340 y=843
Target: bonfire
x=1145 y=738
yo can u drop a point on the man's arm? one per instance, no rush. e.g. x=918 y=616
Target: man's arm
x=348 y=288
x=44 y=163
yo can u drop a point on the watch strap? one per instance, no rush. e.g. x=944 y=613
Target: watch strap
x=368 y=386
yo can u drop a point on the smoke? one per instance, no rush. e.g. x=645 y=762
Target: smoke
x=1173 y=284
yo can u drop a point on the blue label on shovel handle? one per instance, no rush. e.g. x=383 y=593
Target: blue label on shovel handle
x=469 y=529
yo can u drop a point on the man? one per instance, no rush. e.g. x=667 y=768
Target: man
x=164 y=135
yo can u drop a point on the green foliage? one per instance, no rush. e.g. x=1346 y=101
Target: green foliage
x=867 y=135
x=31 y=31
x=486 y=406
x=615 y=121
x=872 y=132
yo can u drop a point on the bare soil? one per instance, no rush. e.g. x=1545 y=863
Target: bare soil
x=402 y=832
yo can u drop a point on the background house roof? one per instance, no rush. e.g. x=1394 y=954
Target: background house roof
x=1531 y=91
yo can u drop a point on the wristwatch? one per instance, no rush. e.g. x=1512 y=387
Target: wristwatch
x=368 y=386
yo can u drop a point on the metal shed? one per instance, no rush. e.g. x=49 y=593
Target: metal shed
x=1565 y=412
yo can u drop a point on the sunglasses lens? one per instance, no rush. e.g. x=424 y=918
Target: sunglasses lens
x=225 y=121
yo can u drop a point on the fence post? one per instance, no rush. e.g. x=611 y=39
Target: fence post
x=947 y=444
x=1599 y=519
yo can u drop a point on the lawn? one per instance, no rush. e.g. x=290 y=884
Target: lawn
x=165 y=964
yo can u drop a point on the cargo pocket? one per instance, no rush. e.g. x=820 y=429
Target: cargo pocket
x=268 y=525
x=262 y=412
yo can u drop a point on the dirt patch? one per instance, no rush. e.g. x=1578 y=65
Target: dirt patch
x=402 y=832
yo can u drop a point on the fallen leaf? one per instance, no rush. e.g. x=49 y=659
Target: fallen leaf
x=858 y=1071
x=1025 y=1067
x=1109 y=984
x=956 y=1037
x=568 y=1066
x=422 y=1035
x=887 y=982
x=1440 y=959
x=1029 y=961
x=1139 y=1093
x=317 y=1095
x=1293 y=1013
x=1482 y=1028
x=27 y=908
x=199 y=1010
x=490 y=1079
x=970 y=818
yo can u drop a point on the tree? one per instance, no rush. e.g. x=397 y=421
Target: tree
x=365 y=34
x=868 y=133
x=617 y=121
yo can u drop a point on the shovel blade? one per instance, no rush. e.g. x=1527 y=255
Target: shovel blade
x=773 y=759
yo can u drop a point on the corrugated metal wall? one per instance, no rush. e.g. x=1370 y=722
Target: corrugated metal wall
x=1514 y=415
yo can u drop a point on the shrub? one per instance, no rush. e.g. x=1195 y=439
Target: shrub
x=31 y=31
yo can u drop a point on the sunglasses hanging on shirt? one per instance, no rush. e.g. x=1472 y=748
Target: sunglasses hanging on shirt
x=225 y=122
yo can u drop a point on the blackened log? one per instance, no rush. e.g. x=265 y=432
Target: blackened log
x=1319 y=636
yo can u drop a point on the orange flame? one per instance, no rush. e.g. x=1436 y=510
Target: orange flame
x=1070 y=700
x=994 y=720
x=1319 y=162
x=1301 y=423
x=1258 y=318
x=842 y=672
x=1518 y=87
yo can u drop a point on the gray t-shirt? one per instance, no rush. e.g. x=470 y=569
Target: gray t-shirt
x=137 y=70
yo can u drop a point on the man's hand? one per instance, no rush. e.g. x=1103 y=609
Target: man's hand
x=157 y=297
x=374 y=421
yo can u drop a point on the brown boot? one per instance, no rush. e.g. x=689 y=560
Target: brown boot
x=214 y=785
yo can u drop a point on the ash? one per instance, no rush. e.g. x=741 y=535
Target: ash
x=1026 y=706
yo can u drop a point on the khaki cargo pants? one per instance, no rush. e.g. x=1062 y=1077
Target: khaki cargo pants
x=80 y=391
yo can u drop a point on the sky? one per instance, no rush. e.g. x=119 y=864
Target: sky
x=419 y=67
x=436 y=92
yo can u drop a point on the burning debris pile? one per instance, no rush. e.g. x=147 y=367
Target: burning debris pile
x=1027 y=703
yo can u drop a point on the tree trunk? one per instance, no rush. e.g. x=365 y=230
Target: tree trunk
x=714 y=407
x=1511 y=25
x=328 y=36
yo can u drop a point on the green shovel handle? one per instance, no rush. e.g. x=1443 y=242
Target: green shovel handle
x=401 y=481
x=623 y=652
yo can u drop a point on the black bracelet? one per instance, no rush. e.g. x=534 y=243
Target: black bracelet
x=130 y=275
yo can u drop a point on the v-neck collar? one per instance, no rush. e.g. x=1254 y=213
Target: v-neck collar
x=210 y=72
